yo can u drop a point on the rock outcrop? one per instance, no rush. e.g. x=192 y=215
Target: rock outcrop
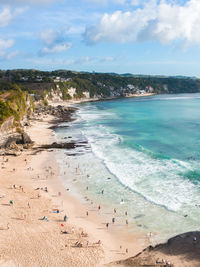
x=15 y=139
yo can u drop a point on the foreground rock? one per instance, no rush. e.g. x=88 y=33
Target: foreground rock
x=179 y=251
x=17 y=138
x=15 y=144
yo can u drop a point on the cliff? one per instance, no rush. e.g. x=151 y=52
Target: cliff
x=15 y=108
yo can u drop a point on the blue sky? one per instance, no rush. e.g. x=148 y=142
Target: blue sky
x=159 y=37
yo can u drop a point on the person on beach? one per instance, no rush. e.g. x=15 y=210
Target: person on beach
x=102 y=191
x=65 y=218
x=64 y=232
x=99 y=207
x=126 y=222
x=113 y=220
x=107 y=224
x=87 y=213
x=115 y=211
x=126 y=213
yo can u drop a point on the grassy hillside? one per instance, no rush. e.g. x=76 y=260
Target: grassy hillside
x=14 y=102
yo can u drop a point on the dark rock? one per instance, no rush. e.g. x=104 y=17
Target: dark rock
x=59 y=145
x=15 y=138
x=26 y=139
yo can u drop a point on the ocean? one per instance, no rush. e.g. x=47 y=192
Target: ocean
x=145 y=154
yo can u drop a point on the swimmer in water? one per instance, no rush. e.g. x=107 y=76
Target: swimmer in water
x=122 y=201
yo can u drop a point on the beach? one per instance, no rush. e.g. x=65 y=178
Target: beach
x=68 y=207
x=31 y=196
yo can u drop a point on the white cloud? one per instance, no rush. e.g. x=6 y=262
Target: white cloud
x=49 y=36
x=5 y=44
x=56 y=48
x=55 y=42
x=7 y=15
x=162 y=21
x=121 y=27
x=11 y=55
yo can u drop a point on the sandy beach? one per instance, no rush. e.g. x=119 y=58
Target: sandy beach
x=33 y=204
x=43 y=224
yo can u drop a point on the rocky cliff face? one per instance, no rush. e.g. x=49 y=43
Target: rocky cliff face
x=7 y=126
x=6 y=130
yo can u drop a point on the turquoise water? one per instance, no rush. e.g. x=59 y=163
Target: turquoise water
x=149 y=148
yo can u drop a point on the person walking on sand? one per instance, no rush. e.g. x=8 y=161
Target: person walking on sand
x=113 y=220
x=126 y=222
x=102 y=191
x=65 y=218
x=107 y=224
x=115 y=210
x=126 y=213
x=87 y=213
x=99 y=207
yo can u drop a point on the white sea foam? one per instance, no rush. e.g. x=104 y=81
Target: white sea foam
x=157 y=180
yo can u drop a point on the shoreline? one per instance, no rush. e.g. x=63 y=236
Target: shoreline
x=83 y=100
x=18 y=171
x=111 y=239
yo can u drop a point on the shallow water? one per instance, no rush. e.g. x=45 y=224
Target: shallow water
x=145 y=151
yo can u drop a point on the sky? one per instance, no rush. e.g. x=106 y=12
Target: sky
x=153 y=37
